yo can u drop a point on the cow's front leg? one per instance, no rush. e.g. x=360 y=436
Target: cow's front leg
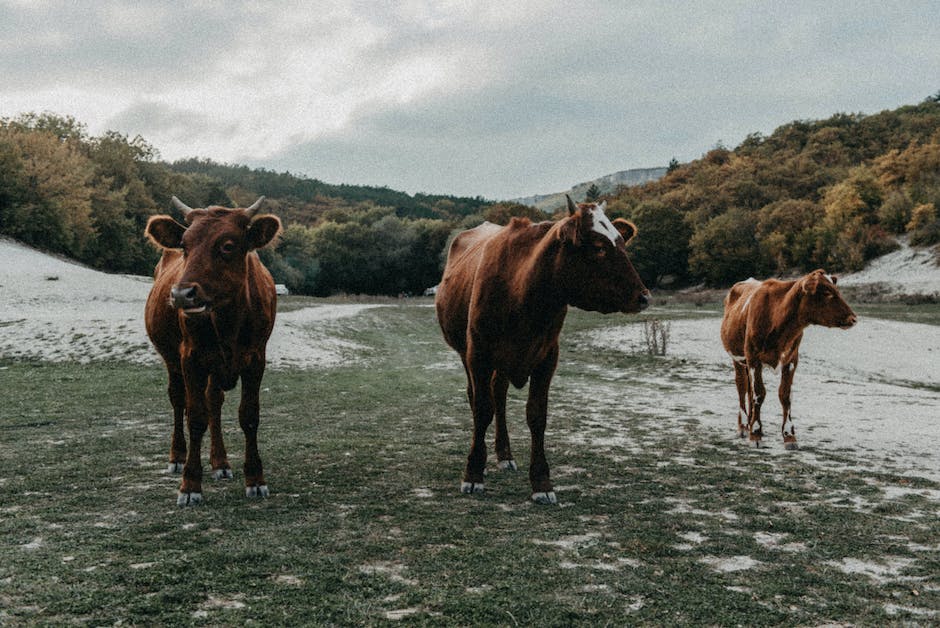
x=249 y=417
x=536 y=415
x=504 y=458
x=177 y=393
x=787 y=427
x=218 y=458
x=197 y=412
x=756 y=396
x=482 y=393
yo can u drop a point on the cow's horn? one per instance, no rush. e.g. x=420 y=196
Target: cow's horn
x=254 y=207
x=572 y=208
x=183 y=207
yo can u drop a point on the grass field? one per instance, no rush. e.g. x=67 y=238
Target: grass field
x=365 y=524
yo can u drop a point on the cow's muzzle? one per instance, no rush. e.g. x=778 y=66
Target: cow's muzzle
x=849 y=322
x=188 y=298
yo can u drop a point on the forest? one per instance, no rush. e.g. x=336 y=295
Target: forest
x=827 y=193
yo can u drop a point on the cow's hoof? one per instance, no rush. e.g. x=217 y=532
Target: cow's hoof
x=175 y=468
x=471 y=487
x=222 y=474
x=546 y=499
x=257 y=491
x=742 y=433
x=790 y=445
x=507 y=465
x=188 y=499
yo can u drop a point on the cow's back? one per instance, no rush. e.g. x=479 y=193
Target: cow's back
x=738 y=302
x=452 y=302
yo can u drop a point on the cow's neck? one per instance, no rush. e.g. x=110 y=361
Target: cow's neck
x=543 y=299
x=219 y=333
x=787 y=321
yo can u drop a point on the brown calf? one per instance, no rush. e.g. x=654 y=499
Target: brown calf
x=209 y=315
x=501 y=305
x=763 y=324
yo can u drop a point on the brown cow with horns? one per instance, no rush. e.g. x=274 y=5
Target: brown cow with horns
x=501 y=305
x=209 y=315
x=763 y=324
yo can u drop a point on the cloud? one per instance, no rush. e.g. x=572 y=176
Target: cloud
x=495 y=99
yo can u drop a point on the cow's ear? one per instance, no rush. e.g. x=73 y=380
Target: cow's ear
x=570 y=231
x=811 y=281
x=165 y=232
x=262 y=230
x=626 y=228
x=834 y=279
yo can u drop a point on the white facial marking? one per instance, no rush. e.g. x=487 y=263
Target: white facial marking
x=602 y=224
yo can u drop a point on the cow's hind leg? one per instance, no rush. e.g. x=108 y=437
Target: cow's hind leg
x=481 y=375
x=218 y=458
x=249 y=416
x=177 y=393
x=756 y=394
x=787 y=428
x=503 y=451
x=536 y=414
x=742 y=383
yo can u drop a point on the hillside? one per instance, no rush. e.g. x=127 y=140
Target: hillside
x=607 y=184
x=832 y=193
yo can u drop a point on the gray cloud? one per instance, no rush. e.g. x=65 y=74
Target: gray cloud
x=468 y=99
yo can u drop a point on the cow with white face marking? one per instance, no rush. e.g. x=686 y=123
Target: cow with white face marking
x=763 y=325
x=501 y=305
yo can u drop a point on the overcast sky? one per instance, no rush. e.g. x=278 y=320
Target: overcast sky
x=497 y=99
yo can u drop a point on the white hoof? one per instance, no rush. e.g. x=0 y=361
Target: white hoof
x=222 y=474
x=546 y=499
x=507 y=465
x=257 y=491
x=189 y=499
x=175 y=468
x=472 y=487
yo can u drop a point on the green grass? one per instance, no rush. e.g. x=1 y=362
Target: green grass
x=365 y=522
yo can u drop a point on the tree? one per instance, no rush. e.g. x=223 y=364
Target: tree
x=661 y=247
x=786 y=233
x=593 y=193
x=725 y=250
x=924 y=226
x=49 y=205
x=502 y=213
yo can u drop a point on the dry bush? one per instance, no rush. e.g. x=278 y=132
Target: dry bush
x=656 y=336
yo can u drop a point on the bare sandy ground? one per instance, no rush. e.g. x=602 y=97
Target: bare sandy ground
x=870 y=392
x=51 y=309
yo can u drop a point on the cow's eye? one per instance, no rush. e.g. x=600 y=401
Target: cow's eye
x=228 y=247
x=600 y=251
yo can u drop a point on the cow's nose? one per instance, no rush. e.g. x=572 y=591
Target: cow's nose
x=644 y=300
x=852 y=320
x=183 y=296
